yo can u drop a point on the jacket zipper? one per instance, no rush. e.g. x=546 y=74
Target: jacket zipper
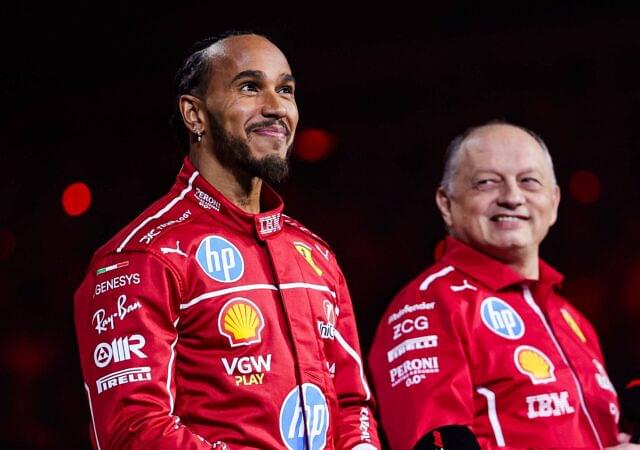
x=528 y=297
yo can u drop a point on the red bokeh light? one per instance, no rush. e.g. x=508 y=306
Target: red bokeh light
x=585 y=187
x=314 y=144
x=76 y=199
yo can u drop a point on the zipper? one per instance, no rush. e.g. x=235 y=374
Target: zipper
x=528 y=297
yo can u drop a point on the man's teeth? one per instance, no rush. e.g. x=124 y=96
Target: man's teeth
x=507 y=219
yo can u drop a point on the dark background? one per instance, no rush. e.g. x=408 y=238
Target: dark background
x=87 y=94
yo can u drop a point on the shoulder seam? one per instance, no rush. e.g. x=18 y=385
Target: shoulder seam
x=434 y=276
x=159 y=213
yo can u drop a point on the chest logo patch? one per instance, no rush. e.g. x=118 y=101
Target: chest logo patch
x=305 y=251
x=241 y=321
x=292 y=418
x=573 y=325
x=220 y=259
x=501 y=318
x=536 y=365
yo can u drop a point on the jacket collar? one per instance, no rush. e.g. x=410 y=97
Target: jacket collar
x=490 y=272
x=268 y=223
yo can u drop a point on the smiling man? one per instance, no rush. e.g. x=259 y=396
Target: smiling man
x=213 y=320
x=481 y=351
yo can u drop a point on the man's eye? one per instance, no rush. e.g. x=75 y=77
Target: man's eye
x=486 y=183
x=531 y=181
x=249 y=87
x=286 y=90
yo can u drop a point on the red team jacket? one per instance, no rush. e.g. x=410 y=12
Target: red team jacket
x=471 y=342
x=200 y=325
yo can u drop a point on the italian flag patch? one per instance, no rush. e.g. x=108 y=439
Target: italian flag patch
x=112 y=267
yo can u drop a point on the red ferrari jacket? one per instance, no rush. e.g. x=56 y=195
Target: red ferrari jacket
x=202 y=326
x=471 y=342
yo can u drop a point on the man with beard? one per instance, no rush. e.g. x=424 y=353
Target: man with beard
x=213 y=320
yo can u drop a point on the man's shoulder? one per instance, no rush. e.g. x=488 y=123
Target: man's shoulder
x=151 y=229
x=297 y=229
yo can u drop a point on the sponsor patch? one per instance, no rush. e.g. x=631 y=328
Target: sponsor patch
x=305 y=251
x=419 y=323
x=220 y=259
x=205 y=200
x=406 y=309
x=269 y=224
x=119 y=349
x=247 y=370
x=365 y=423
x=103 y=321
x=573 y=325
x=326 y=329
x=501 y=318
x=602 y=378
x=412 y=344
x=464 y=286
x=241 y=321
x=112 y=267
x=125 y=376
x=115 y=283
x=155 y=231
x=176 y=250
x=548 y=405
x=292 y=418
x=533 y=363
x=413 y=371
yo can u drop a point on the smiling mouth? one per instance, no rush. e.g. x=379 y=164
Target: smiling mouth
x=505 y=218
x=277 y=132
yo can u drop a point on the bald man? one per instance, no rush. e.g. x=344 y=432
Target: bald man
x=213 y=320
x=480 y=350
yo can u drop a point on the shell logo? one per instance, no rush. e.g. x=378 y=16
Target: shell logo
x=573 y=325
x=536 y=365
x=241 y=321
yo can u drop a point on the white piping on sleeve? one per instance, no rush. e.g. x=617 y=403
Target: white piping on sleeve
x=493 y=414
x=169 y=369
x=170 y=205
x=532 y=303
x=356 y=357
x=434 y=276
x=93 y=420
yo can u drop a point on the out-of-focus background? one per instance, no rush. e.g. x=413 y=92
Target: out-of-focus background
x=87 y=94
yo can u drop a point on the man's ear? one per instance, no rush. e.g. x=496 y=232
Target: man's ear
x=193 y=113
x=444 y=205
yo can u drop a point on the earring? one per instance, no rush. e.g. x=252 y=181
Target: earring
x=198 y=134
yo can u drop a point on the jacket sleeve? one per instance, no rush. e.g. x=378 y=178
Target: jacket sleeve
x=419 y=366
x=126 y=323
x=357 y=426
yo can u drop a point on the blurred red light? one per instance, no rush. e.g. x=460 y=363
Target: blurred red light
x=7 y=244
x=76 y=199
x=585 y=187
x=314 y=144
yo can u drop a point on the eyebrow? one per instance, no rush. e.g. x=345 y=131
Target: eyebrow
x=287 y=77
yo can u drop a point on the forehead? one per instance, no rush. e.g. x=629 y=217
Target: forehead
x=504 y=149
x=247 y=52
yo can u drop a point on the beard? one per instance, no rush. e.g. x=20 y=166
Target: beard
x=235 y=154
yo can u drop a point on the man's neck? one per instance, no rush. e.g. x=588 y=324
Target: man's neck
x=240 y=188
x=528 y=268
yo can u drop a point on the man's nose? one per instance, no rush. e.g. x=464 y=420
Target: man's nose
x=511 y=195
x=273 y=105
